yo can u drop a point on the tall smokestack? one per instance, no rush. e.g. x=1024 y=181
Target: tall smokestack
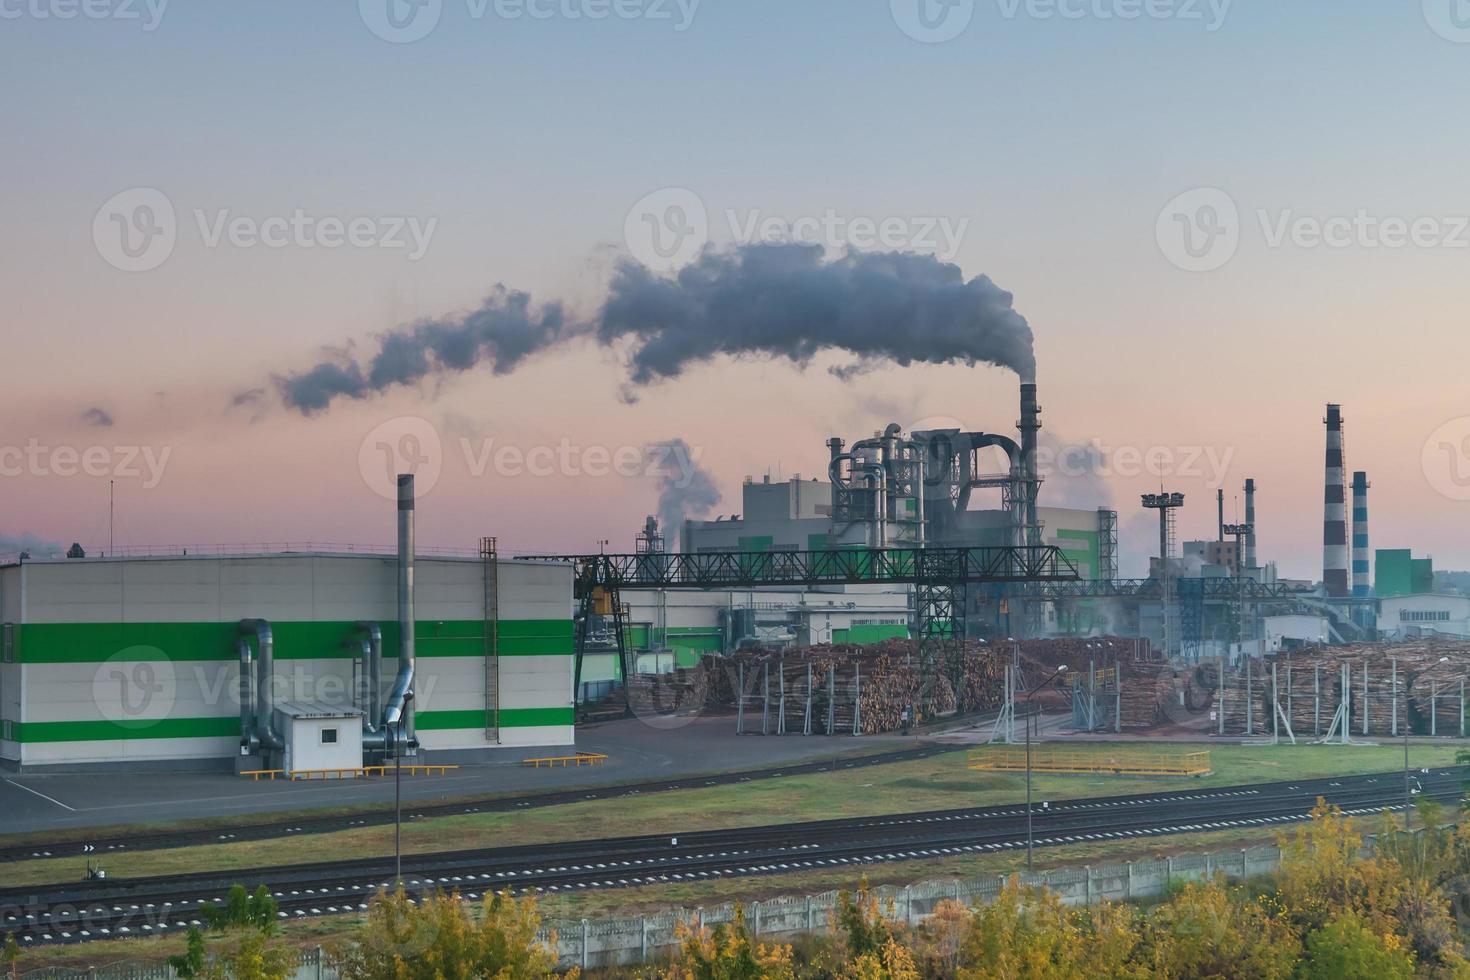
x=1220 y=515
x=1360 y=534
x=1334 y=517
x=398 y=718
x=1030 y=425
x=1250 y=518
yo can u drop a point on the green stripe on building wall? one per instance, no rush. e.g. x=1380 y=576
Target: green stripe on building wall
x=63 y=643
x=97 y=731
x=436 y=721
x=33 y=732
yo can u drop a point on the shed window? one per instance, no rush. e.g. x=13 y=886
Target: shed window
x=329 y=736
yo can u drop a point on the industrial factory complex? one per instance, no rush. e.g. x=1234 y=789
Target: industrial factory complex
x=304 y=660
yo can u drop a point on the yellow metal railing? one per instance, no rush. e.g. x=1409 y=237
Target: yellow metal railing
x=348 y=772
x=1110 y=761
x=579 y=760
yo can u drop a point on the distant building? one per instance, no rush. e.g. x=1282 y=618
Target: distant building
x=1396 y=572
x=1401 y=617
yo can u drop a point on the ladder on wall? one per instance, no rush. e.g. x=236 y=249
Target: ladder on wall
x=490 y=567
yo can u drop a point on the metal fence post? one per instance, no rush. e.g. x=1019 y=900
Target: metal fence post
x=586 y=927
x=1168 y=874
x=1209 y=869
x=908 y=904
x=1244 y=865
x=1128 y=889
x=699 y=912
x=1087 y=885
x=755 y=918
x=643 y=939
x=809 y=922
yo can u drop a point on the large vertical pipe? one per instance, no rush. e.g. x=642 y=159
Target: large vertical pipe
x=265 y=670
x=1334 y=516
x=400 y=706
x=249 y=743
x=1030 y=426
x=1220 y=515
x=1361 y=585
x=1250 y=519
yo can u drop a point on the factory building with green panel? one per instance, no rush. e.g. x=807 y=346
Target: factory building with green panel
x=139 y=660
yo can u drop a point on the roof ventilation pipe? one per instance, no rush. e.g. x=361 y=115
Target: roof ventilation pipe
x=265 y=671
x=368 y=638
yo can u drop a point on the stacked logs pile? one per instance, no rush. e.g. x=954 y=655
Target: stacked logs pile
x=1382 y=677
x=884 y=678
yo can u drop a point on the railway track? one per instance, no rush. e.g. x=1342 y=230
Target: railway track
x=69 y=913
x=114 y=843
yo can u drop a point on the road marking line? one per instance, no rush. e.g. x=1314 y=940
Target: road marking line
x=43 y=796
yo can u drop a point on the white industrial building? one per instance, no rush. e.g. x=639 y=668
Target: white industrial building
x=1402 y=617
x=121 y=661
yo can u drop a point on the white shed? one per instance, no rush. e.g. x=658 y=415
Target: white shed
x=320 y=736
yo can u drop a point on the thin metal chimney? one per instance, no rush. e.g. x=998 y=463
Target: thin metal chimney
x=1334 y=515
x=1361 y=586
x=1250 y=518
x=1220 y=511
x=400 y=705
x=1030 y=425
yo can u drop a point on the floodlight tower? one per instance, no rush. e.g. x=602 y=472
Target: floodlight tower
x=1166 y=504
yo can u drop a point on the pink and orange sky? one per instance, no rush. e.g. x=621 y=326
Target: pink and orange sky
x=1060 y=144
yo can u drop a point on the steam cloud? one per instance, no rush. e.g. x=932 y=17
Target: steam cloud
x=783 y=300
x=685 y=490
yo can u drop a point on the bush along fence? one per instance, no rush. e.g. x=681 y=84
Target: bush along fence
x=591 y=943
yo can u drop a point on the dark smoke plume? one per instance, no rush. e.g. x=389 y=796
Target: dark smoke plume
x=784 y=300
x=504 y=331
x=686 y=492
x=773 y=300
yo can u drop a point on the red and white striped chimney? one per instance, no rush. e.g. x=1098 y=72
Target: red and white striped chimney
x=1334 y=517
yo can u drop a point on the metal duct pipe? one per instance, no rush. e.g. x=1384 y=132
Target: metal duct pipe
x=1250 y=518
x=370 y=642
x=1334 y=514
x=249 y=743
x=1220 y=515
x=1361 y=586
x=400 y=707
x=265 y=672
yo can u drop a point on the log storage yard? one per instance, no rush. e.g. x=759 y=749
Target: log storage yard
x=928 y=689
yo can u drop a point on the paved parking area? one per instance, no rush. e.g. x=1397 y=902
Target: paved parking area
x=637 y=751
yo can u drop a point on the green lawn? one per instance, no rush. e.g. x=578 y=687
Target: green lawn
x=939 y=782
